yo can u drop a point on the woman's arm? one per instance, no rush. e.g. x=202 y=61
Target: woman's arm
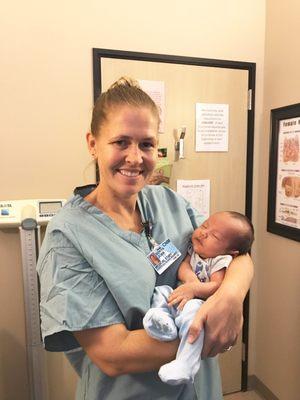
x=222 y=313
x=117 y=351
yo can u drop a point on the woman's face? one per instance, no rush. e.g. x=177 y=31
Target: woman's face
x=126 y=150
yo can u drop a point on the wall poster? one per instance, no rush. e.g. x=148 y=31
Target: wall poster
x=212 y=124
x=196 y=192
x=284 y=173
x=156 y=90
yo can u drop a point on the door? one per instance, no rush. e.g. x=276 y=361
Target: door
x=228 y=172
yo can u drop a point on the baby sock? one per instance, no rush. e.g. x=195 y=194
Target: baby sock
x=179 y=371
x=160 y=325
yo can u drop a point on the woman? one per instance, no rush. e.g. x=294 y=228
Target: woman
x=96 y=279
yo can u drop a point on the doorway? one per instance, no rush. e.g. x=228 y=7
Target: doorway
x=188 y=81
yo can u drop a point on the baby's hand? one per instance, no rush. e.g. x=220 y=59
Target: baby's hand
x=182 y=295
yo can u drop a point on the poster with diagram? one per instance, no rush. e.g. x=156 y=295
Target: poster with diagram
x=288 y=173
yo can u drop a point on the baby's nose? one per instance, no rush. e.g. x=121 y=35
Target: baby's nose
x=203 y=233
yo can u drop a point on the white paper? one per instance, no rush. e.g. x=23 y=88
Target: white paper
x=288 y=173
x=212 y=127
x=156 y=90
x=197 y=192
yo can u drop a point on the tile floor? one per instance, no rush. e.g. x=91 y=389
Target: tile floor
x=250 y=395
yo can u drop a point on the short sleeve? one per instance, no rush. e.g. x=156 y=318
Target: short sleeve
x=73 y=297
x=220 y=262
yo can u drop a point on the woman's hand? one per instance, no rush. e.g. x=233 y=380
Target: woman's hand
x=182 y=294
x=222 y=317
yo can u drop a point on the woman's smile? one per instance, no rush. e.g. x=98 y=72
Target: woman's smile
x=130 y=173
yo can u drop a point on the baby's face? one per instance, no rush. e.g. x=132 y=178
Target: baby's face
x=214 y=236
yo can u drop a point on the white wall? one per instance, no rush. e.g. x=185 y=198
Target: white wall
x=277 y=343
x=46 y=99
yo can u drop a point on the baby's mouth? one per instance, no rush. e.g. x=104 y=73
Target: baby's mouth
x=198 y=242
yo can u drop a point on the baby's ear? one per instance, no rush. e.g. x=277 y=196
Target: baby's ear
x=234 y=253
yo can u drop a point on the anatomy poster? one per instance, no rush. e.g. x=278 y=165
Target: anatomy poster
x=288 y=173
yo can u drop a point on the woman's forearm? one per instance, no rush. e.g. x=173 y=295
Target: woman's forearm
x=222 y=314
x=140 y=353
x=238 y=277
x=117 y=351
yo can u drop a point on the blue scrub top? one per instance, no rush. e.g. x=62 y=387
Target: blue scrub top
x=95 y=274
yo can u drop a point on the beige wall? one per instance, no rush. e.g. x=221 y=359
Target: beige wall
x=278 y=316
x=46 y=99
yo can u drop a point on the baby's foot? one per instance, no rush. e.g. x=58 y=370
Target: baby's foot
x=175 y=373
x=160 y=325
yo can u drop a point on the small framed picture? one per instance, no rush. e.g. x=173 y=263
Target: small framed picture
x=284 y=173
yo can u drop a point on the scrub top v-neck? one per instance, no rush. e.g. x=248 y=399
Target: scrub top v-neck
x=94 y=274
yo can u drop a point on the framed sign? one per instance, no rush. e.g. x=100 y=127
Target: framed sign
x=284 y=173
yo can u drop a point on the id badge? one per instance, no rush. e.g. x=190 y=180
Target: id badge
x=163 y=255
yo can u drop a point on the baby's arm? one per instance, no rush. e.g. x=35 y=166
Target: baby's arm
x=185 y=273
x=192 y=287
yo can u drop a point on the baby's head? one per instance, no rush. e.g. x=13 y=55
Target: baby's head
x=226 y=232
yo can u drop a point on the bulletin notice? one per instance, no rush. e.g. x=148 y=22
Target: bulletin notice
x=212 y=127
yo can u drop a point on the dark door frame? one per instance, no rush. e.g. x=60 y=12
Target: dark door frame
x=98 y=54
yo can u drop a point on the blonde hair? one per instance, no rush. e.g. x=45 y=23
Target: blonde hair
x=125 y=91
